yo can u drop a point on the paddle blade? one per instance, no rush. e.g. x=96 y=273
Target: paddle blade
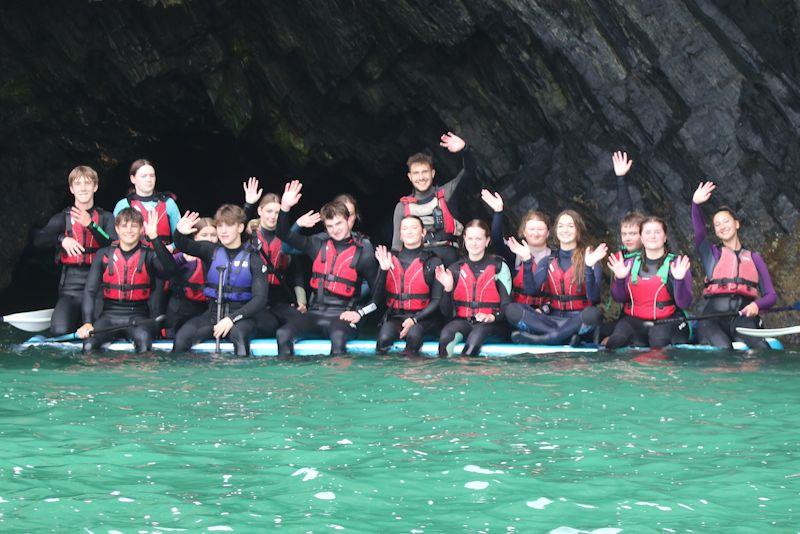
x=33 y=321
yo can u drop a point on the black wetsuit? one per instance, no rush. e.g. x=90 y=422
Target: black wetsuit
x=322 y=317
x=179 y=308
x=67 y=313
x=242 y=313
x=159 y=264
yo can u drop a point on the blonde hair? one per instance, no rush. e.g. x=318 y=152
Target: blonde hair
x=83 y=171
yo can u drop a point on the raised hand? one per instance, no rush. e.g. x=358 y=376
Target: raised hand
x=352 y=317
x=291 y=195
x=252 y=193
x=679 y=267
x=444 y=277
x=621 y=163
x=618 y=266
x=522 y=251
x=151 y=224
x=308 y=219
x=186 y=223
x=223 y=327
x=703 y=192
x=81 y=215
x=384 y=257
x=452 y=142
x=493 y=200
x=594 y=255
x=72 y=247
x=407 y=325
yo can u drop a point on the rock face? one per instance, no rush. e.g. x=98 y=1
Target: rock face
x=544 y=92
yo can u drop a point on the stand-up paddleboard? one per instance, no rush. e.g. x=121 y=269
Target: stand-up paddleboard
x=315 y=347
x=768 y=332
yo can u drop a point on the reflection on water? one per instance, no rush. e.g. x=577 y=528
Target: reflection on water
x=661 y=440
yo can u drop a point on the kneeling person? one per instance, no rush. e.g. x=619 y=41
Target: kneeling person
x=127 y=274
x=238 y=267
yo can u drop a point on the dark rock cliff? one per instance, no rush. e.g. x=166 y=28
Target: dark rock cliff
x=543 y=91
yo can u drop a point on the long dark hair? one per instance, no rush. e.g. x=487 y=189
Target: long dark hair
x=580 y=245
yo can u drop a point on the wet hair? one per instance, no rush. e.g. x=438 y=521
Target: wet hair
x=532 y=215
x=82 y=171
x=268 y=199
x=414 y=217
x=633 y=218
x=128 y=215
x=579 y=252
x=475 y=223
x=334 y=209
x=420 y=157
x=729 y=210
x=346 y=198
x=229 y=214
x=138 y=164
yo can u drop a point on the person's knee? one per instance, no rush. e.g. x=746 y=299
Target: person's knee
x=339 y=338
x=514 y=313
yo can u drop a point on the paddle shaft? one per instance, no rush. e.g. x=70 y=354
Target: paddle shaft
x=722 y=315
x=221 y=270
x=135 y=322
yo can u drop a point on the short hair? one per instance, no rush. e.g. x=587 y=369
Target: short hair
x=83 y=171
x=653 y=219
x=129 y=215
x=633 y=218
x=532 y=215
x=415 y=218
x=420 y=157
x=229 y=214
x=138 y=164
x=268 y=199
x=344 y=198
x=334 y=209
x=477 y=223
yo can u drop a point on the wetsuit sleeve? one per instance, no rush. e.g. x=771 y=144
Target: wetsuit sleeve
x=399 y=213
x=302 y=243
x=250 y=211
x=709 y=254
x=368 y=266
x=107 y=223
x=768 y=295
x=682 y=291
x=162 y=261
x=498 y=240
x=594 y=280
x=52 y=234
x=121 y=205
x=173 y=213
x=201 y=249
x=93 y=282
x=465 y=178
x=102 y=237
x=259 y=289
x=619 y=289
x=624 y=202
x=503 y=281
x=436 y=289
x=297 y=279
x=446 y=304
x=532 y=282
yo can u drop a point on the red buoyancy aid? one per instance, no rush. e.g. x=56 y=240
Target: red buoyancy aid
x=518 y=289
x=449 y=222
x=126 y=279
x=164 y=228
x=472 y=296
x=336 y=270
x=82 y=235
x=406 y=289
x=274 y=258
x=564 y=296
x=649 y=297
x=734 y=274
x=194 y=285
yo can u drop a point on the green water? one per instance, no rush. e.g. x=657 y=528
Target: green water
x=696 y=442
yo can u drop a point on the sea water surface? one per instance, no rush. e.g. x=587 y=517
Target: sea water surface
x=672 y=441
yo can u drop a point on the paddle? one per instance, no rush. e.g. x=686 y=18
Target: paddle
x=32 y=321
x=768 y=332
x=74 y=336
x=221 y=270
x=722 y=315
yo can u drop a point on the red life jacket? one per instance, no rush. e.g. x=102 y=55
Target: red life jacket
x=335 y=272
x=194 y=285
x=472 y=296
x=518 y=289
x=164 y=228
x=448 y=221
x=564 y=296
x=649 y=297
x=274 y=258
x=126 y=280
x=734 y=274
x=82 y=235
x=406 y=289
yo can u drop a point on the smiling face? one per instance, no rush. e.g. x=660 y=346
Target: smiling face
x=654 y=237
x=129 y=232
x=421 y=176
x=725 y=226
x=337 y=228
x=566 y=232
x=83 y=189
x=411 y=232
x=144 y=180
x=536 y=233
x=268 y=213
x=630 y=237
x=206 y=233
x=476 y=240
x=229 y=234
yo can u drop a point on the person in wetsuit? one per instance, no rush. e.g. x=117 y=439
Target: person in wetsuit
x=737 y=279
x=77 y=233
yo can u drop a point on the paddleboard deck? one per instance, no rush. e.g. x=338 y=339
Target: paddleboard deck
x=315 y=347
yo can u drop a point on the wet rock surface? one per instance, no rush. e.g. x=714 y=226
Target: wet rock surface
x=543 y=91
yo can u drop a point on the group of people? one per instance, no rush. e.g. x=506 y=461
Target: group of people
x=251 y=271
